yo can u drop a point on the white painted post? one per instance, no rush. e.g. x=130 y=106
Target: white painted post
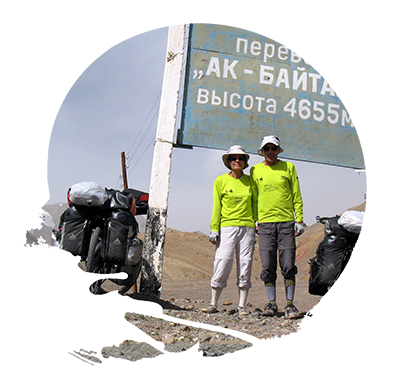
x=153 y=251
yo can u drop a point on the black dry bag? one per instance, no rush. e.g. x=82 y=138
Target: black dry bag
x=333 y=253
x=75 y=231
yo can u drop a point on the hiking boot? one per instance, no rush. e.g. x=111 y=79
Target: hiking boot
x=209 y=309
x=242 y=311
x=271 y=309
x=291 y=312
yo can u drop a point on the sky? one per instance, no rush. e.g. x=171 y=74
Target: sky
x=113 y=107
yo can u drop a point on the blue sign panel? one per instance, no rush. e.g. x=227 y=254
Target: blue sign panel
x=241 y=86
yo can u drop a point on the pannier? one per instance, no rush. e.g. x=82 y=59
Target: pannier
x=75 y=231
x=121 y=229
x=332 y=256
x=134 y=254
x=333 y=253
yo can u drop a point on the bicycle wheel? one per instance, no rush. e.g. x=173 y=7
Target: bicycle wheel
x=94 y=250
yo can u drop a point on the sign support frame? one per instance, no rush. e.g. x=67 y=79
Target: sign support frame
x=153 y=250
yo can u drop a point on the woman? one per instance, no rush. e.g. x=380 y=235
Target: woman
x=232 y=228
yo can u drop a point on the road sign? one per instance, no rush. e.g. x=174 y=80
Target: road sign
x=241 y=86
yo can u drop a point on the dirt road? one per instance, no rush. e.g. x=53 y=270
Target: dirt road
x=198 y=290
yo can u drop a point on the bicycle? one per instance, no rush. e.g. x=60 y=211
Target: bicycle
x=113 y=269
x=105 y=236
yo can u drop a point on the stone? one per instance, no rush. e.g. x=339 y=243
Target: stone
x=203 y=336
x=169 y=339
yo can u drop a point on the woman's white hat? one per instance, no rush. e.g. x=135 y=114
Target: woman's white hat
x=269 y=140
x=235 y=149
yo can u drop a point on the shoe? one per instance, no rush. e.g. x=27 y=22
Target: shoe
x=271 y=309
x=291 y=312
x=242 y=311
x=209 y=309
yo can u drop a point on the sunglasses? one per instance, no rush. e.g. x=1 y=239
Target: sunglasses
x=232 y=158
x=273 y=148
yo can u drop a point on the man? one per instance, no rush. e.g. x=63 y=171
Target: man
x=279 y=209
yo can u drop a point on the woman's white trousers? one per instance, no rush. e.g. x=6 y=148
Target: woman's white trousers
x=234 y=241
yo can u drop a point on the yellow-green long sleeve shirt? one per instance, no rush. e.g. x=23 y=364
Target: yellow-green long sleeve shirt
x=232 y=202
x=277 y=196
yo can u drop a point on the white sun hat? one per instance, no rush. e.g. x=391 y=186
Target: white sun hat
x=236 y=150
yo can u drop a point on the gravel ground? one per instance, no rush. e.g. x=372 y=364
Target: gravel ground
x=254 y=324
x=180 y=337
x=183 y=326
x=133 y=351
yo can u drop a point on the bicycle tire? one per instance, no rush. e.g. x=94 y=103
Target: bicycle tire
x=92 y=254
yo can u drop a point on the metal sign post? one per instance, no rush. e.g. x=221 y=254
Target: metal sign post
x=153 y=252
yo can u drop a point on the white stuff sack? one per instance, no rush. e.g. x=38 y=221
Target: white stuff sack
x=88 y=194
x=352 y=220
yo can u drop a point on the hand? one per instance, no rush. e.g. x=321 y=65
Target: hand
x=298 y=228
x=213 y=237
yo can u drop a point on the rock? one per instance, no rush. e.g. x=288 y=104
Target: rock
x=203 y=336
x=169 y=339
